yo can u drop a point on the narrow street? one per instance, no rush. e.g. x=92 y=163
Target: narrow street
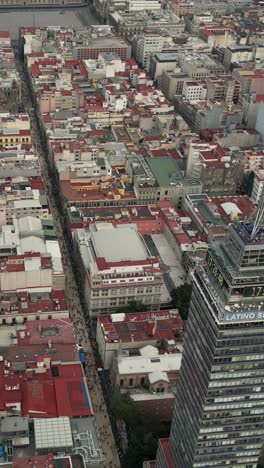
x=76 y=302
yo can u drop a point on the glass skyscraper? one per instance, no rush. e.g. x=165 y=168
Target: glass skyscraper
x=219 y=411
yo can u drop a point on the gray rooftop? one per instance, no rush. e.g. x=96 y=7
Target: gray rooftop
x=116 y=245
x=14 y=424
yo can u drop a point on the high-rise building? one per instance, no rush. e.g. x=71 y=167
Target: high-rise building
x=219 y=410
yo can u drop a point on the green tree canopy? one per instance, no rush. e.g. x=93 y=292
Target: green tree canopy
x=124 y=408
x=181 y=297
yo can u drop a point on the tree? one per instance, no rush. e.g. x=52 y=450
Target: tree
x=181 y=297
x=143 y=432
x=124 y=408
x=162 y=344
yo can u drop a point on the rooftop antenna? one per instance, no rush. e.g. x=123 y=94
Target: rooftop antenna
x=259 y=215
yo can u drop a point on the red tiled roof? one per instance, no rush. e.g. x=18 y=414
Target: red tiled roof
x=164 y=445
x=39 y=461
x=167 y=323
x=4 y=34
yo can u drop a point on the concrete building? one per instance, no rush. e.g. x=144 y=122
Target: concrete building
x=194 y=91
x=171 y=82
x=237 y=54
x=218 y=169
x=130 y=332
x=162 y=62
x=115 y=276
x=149 y=379
x=258 y=184
x=10 y=86
x=146 y=44
x=217 y=36
x=147 y=218
x=136 y=22
x=224 y=88
x=211 y=215
x=31 y=271
x=209 y=114
x=19 y=197
x=142 y=5
x=98 y=170
x=102 y=44
x=229 y=294
x=240 y=137
x=172 y=185
x=199 y=65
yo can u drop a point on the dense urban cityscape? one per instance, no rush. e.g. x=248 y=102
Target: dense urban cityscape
x=131 y=234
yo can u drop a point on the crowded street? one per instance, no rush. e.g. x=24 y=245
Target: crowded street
x=76 y=304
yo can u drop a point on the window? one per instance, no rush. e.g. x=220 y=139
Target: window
x=131 y=382
x=121 y=383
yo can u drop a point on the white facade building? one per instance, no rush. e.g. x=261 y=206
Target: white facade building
x=194 y=91
x=141 y=5
x=146 y=44
x=257 y=186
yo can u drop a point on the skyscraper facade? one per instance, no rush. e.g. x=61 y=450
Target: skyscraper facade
x=219 y=411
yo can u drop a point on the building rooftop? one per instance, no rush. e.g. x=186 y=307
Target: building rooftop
x=166 y=450
x=155 y=366
x=39 y=461
x=221 y=210
x=53 y=432
x=141 y=326
x=43 y=388
x=166 y=171
x=30 y=302
x=118 y=244
x=115 y=214
x=39 y=332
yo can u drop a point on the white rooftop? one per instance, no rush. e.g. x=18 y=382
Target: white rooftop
x=149 y=351
x=156 y=376
x=53 y=249
x=116 y=245
x=53 y=433
x=32 y=244
x=230 y=208
x=150 y=396
x=141 y=364
x=29 y=223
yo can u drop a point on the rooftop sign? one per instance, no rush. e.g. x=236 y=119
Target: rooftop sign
x=244 y=316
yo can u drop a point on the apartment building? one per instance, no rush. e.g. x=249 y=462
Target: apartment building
x=224 y=88
x=146 y=44
x=171 y=83
x=194 y=91
x=19 y=197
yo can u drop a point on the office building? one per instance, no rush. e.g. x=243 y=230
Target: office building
x=117 y=268
x=219 y=417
